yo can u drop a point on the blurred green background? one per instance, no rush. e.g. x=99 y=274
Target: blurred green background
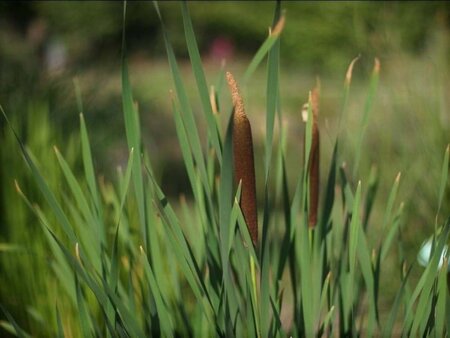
x=45 y=45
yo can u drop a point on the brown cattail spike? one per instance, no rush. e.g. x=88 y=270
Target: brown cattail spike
x=244 y=167
x=314 y=159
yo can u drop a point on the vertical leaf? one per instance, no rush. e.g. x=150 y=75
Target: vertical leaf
x=200 y=79
x=133 y=137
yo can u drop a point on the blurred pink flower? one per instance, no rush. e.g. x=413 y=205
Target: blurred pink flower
x=221 y=48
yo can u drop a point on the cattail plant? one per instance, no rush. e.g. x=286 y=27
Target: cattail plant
x=244 y=168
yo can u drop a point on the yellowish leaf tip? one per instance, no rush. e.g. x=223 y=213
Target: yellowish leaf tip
x=77 y=251
x=348 y=76
x=16 y=184
x=278 y=27
x=397 y=179
x=212 y=99
x=377 y=66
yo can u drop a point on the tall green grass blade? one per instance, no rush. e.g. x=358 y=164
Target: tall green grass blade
x=60 y=333
x=371 y=192
x=17 y=329
x=271 y=105
x=85 y=323
x=390 y=203
x=365 y=118
x=324 y=295
x=304 y=257
x=442 y=292
x=137 y=177
x=368 y=275
x=113 y=277
x=44 y=188
x=423 y=288
x=354 y=239
x=165 y=320
x=187 y=115
x=444 y=176
x=132 y=129
x=200 y=79
x=243 y=229
x=82 y=203
x=447 y=313
x=329 y=194
x=82 y=273
x=60 y=266
x=181 y=248
x=277 y=330
x=89 y=173
x=327 y=321
x=271 y=93
x=285 y=246
x=128 y=319
x=126 y=183
x=347 y=82
x=263 y=50
x=387 y=242
x=225 y=207
x=265 y=269
x=423 y=324
x=169 y=289
x=389 y=324
x=185 y=149
x=234 y=218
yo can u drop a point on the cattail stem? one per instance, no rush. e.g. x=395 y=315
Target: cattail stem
x=314 y=162
x=244 y=167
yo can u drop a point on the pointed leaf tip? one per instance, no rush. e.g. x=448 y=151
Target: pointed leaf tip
x=348 y=75
x=278 y=27
x=377 y=66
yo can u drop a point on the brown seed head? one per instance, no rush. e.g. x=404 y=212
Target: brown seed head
x=244 y=168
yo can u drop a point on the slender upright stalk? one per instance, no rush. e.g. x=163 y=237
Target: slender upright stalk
x=314 y=161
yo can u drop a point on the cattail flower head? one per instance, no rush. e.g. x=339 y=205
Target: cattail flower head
x=244 y=167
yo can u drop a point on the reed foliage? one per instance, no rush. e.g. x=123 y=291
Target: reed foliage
x=132 y=262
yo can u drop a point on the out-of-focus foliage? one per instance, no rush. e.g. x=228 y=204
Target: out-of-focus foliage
x=337 y=30
x=28 y=286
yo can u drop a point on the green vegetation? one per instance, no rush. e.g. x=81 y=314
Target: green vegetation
x=122 y=257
